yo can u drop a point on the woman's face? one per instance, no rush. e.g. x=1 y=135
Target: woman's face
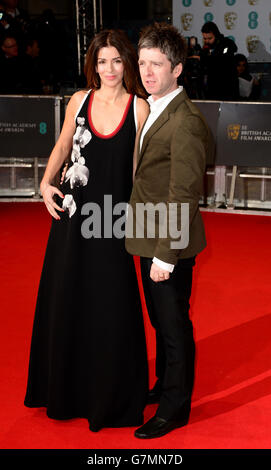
x=110 y=66
x=241 y=67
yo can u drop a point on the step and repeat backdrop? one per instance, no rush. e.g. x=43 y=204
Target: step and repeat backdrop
x=29 y=126
x=242 y=132
x=247 y=22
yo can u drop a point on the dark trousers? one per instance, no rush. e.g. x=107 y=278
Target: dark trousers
x=168 y=308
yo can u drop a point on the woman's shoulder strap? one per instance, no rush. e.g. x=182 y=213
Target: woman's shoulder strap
x=83 y=99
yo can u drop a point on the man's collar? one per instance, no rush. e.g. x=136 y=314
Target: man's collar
x=155 y=104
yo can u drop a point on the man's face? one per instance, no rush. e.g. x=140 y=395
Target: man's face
x=156 y=74
x=208 y=39
x=35 y=49
x=10 y=47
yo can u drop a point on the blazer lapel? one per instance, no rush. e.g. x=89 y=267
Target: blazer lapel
x=154 y=128
x=160 y=121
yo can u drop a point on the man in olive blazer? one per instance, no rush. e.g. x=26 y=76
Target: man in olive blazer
x=171 y=162
x=170 y=168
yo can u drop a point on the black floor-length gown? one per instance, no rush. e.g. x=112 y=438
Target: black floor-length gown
x=88 y=350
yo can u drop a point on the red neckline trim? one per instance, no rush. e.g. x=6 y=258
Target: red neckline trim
x=107 y=136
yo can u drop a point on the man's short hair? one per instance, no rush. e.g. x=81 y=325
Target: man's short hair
x=168 y=39
x=211 y=27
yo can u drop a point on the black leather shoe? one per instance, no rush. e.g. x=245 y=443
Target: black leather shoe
x=157 y=427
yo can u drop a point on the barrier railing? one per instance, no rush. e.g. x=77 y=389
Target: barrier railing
x=239 y=175
x=242 y=132
x=29 y=128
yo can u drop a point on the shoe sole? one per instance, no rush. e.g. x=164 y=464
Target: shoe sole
x=181 y=425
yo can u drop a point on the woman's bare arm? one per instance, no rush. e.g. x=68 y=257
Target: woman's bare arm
x=58 y=155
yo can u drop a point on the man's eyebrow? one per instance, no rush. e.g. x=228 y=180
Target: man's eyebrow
x=152 y=61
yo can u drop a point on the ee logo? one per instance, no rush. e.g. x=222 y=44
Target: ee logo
x=43 y=128
x=230 y=2
x=187 y=3
x=208 y=17
x=253 y=20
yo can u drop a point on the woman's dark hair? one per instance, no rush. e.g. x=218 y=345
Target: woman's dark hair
x=211 y=27
x=241 y=58
x=168 y=39
x=118 y=39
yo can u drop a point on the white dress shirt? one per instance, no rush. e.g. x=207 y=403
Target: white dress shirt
x=156 y=108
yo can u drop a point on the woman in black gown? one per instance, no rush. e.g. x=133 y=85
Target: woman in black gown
x=88 y=352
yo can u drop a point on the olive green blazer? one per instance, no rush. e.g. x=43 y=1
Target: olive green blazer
x=170 y=169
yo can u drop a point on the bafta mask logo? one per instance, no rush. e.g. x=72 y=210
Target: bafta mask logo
x=233 y=131
x=270 y=18
x=230 y=19
x=253 y=2
x=186 y=21
x=252 y=43
x=208 y=3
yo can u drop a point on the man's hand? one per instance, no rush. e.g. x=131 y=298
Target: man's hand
x=158 y=274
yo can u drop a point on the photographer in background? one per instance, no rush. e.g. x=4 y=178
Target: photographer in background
x=4 y=23
x=249 y=86
x=218 y=65
x=192 y=76
x=12 y=66
x=19 y=15
x=36 y=73
x=7 y=23
x=12 y=19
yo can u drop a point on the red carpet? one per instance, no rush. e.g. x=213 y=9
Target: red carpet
x=231 y=312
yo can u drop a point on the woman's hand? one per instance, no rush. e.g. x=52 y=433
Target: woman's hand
x=48 y=191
